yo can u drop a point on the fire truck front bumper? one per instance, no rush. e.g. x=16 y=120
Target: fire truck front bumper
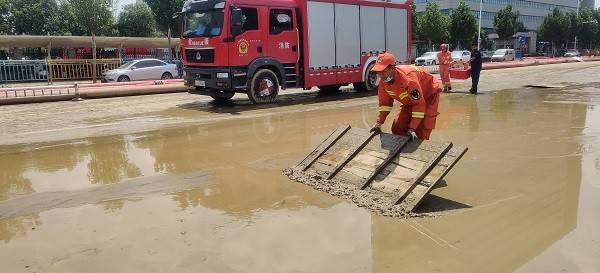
x=210 y=79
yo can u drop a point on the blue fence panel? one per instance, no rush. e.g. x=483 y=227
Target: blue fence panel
x=23 y=70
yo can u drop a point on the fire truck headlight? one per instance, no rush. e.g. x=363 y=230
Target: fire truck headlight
x=224 y=75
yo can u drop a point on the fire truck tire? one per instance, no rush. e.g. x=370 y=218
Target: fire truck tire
x=370 y=83
x=264 y=87
x=330 y=89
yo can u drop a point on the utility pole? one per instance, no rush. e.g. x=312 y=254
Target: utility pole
x=479 y=31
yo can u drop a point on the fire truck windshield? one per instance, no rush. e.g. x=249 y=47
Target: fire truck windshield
x=203 y=23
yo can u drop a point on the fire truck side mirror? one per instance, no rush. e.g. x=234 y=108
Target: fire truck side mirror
x=236 y=21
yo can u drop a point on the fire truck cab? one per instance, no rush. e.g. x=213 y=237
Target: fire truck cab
x=259 y=47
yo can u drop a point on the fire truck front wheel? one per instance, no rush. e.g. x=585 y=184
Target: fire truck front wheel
x=264 y=87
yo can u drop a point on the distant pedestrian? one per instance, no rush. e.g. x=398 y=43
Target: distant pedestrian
x=475 y=68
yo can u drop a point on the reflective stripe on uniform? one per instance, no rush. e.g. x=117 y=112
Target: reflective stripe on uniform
x=390 y=92
x=418 y=115
x=403 y=95
x=385 y=108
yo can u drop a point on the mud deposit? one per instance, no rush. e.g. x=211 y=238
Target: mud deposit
x=131 y=190
x=372 y=200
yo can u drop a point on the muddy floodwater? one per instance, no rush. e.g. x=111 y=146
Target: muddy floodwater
x=174 y=183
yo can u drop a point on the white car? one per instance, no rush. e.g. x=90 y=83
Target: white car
x=461 y=56
x=429 y=58
x=503 y=55
x=144 y=69
x=572 y=53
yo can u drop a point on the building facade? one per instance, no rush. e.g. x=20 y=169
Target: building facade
x=588 y=4
x=531 y=12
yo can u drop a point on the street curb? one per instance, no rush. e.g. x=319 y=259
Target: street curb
x=536 y=63
x=96 y=93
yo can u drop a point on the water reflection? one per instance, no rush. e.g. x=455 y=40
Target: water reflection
x=17 y=226
x=109 y=162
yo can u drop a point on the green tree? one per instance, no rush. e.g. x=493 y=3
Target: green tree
x=33 y=17
x=433 y=25
x=574 y=24
x=4 y=17
x=163 y=11
x=555 y=28
x=414 y=20
x=588 y=29
x=95 y=16
x=505 y=23
x=596 y=14
x=137 y=20
x=68 y=24
x=463 y=26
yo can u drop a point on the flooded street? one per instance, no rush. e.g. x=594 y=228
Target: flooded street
x=173 y=183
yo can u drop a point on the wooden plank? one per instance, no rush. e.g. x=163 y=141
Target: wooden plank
x=394 y=145
x=410 y=186
x=399 y=172
x=355 y=151
x=408 y=163
x=416 y=197
x=322 y=147
x=338 y=151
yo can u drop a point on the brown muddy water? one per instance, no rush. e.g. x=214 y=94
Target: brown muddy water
x=211 y=197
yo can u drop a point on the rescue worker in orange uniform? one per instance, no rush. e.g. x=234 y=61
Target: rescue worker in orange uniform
x=416 y=89
x=445 y=60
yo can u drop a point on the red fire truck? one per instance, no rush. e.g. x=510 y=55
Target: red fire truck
x=258 y=47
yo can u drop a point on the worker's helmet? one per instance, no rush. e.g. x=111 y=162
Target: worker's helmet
x=444 y=47
x=383 y=61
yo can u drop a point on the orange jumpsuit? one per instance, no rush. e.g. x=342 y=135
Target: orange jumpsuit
x=445 y=59
x=418 y=92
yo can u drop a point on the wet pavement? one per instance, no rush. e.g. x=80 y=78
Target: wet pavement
x=173 y=183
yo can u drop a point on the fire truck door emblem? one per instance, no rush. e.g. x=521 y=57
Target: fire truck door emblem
x=243 y=46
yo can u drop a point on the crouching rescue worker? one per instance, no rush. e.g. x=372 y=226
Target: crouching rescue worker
x=416 y=89
x=445 y=59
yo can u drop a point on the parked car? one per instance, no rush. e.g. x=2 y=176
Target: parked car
x=461 y=56
x=486 y=56
x=501 y=55
x=429 y=58
x=144 y=69
x=572 y=53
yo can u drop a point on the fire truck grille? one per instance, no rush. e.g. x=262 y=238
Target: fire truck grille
x=205 y=55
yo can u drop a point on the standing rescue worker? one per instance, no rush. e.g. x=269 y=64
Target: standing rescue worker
x=445 y=60
x=418 y=92
x=476 y=64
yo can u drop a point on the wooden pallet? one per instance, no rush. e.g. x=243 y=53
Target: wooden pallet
x=390 y=165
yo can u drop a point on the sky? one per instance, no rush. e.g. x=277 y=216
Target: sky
x=122 y=3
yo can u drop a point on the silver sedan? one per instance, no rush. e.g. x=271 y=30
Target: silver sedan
x=144 y=69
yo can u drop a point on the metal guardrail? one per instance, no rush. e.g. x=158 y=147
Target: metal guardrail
x=80 y=69
x=23 y=70
x=38 y=91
